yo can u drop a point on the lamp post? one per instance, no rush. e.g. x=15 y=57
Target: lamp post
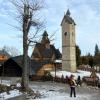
x=55 y=68
x=56 y=61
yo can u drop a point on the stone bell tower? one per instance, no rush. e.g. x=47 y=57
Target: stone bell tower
x=68 y=43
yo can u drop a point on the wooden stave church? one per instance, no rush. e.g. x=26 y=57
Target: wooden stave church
x=44 y=56
x=42 y=60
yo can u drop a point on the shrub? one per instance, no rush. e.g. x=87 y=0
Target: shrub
x=47 y=77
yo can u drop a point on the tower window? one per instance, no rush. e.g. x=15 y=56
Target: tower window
x=72 y=37
x=65 y=33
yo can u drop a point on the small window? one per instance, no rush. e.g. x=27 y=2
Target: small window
x=72 y=37
x=65 y=33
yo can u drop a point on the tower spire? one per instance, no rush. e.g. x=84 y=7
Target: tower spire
x=68 y=13
x=45 y=38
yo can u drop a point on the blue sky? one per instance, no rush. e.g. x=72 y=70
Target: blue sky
x=86 y=14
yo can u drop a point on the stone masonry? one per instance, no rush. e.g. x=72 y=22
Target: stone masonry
x=68 y=43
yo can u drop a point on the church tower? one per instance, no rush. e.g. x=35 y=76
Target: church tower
x=68 y=43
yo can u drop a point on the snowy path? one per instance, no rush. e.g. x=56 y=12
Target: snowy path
x=58 y=91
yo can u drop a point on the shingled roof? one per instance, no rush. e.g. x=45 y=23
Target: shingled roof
x=47 y=53
x=19 y=60
x=58 y=55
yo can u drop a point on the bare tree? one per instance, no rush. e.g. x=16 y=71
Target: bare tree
x=28 y=18
x=12 y=51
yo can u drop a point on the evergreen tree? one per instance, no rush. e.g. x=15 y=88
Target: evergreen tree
x=97 y=55
x=90 y=59
x=84 y=60
x=96 y=50
x=97 y=59
x=78 y=54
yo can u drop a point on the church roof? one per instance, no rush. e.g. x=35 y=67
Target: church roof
x=44 y=52
x=19 y=60
x=45 y=49
x=58 y=55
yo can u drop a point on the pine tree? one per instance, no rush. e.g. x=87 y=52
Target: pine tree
x=96 y=50
x=78 y=54
x=90 y=59
x=97 y=55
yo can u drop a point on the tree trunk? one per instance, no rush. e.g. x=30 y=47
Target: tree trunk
x=25 y=75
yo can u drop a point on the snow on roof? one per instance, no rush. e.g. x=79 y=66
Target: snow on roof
x=58 y=61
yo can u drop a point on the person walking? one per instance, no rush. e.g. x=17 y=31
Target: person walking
x=79 y=81
x=72 y=86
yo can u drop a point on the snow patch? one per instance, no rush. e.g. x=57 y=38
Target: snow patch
x=78 y=73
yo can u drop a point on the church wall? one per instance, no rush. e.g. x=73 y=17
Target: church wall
x=47 y=67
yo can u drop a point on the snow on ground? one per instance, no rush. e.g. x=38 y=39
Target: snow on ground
x=9 y=82
x=78 y=73
x=65 y=98
x=12 y=93
x=59 y=91
x=56 y=91
x=5 y=82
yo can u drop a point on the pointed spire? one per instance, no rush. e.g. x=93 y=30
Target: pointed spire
x=45 y=38
x=45 y=33
x=68 y=13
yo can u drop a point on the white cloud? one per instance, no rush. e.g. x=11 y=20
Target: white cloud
x=87 y=29
x=86 y=14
